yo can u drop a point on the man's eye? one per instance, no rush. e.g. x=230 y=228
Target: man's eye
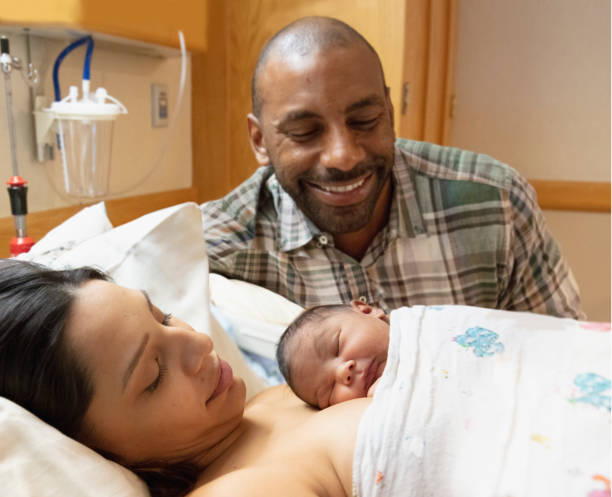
x=365 y=123
x=303 y=135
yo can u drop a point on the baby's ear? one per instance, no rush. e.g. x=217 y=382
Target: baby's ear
x=374 y=311
x=377 y=312
x=360 y=306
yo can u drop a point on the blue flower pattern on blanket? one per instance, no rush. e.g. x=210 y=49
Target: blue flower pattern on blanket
x=482 y=341
x=593 y=387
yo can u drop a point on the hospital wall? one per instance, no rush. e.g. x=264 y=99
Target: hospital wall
x=532 y=88
x=144 y=158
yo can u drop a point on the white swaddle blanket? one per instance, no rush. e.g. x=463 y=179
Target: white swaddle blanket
x=486 y=403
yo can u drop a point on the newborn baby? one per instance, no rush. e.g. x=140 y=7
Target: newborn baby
x=333 y=353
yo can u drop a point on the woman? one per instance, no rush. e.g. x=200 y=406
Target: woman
x=105 y=366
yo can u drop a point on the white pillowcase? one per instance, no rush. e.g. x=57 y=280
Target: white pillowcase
x=257 y=315
x=163 y=253
x=36 y=460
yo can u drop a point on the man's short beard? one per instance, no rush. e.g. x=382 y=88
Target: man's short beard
x=341 y=219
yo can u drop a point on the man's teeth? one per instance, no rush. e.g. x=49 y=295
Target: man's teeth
x=344 y=188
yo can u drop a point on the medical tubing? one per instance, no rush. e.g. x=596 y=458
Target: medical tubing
x=87 y=64
x=86 y=67
x=171 y=126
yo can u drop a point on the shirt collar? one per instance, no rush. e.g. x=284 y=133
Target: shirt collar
x=407 y=220
x=294 y=228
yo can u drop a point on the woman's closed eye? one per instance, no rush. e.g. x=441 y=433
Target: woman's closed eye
x=162 y=370
x=166 y=319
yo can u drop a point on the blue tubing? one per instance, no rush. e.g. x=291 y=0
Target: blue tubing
x=86 y=68
x=87 y=64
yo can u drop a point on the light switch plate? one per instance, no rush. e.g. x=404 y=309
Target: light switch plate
x=159 y=105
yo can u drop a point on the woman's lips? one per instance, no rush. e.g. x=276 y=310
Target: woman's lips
x=226 y=378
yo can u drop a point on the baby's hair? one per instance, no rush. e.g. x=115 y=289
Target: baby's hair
x=312 y=315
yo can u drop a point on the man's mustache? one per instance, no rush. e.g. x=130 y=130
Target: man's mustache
x=336 y=175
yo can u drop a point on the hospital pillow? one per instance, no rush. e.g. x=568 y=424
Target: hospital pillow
x=256 y=316
x=163 y=253
x=36 y=460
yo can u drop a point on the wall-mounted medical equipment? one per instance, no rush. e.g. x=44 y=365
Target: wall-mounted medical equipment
x=83 y=126
x=16 y=185
x=74 y=134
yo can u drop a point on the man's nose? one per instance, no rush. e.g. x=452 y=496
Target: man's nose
x=342 y=149
x=345 y=372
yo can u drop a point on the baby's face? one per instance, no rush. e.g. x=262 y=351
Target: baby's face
x=340 y=358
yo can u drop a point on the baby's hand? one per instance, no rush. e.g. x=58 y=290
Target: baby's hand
x=372 y=388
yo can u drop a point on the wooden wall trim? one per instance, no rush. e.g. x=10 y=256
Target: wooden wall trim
x=587 y=196
x=429 y=50
x=120 y=211
x=439 y=70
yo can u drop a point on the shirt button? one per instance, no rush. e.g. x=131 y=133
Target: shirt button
x=363 y=299
x=323 y=240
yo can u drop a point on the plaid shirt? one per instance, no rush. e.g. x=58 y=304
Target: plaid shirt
x=463 y=228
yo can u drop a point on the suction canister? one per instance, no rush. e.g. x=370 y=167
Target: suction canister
x=85 y=137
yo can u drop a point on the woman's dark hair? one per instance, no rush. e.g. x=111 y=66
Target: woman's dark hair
x=37 y=370
x=40 y=372
x=312 y=315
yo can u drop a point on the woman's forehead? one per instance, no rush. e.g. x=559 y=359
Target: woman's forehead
x=100 y=316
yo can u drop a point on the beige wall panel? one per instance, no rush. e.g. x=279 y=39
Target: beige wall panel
x=532 y=84
x=585 y=241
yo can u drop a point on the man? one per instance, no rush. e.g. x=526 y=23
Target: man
x=341 y=210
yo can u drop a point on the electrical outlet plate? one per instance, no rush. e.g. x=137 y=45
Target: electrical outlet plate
x=159 y=105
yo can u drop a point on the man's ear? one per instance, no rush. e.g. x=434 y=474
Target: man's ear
x=390 y=107
x=257 y=141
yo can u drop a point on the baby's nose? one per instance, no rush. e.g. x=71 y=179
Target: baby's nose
x=346 y=372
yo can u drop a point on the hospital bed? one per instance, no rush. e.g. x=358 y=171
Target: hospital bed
x=163 y=253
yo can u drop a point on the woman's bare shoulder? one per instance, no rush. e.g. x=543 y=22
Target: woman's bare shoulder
x=254 y=482
x=278 y=401
x=277 y=394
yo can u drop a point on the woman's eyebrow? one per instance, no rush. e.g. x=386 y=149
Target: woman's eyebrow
x=134 y=361
x=136 y=357
x=146 y=296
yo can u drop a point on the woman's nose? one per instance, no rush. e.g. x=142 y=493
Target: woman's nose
x=342 y=151
x=195 y=348
x=345 y=372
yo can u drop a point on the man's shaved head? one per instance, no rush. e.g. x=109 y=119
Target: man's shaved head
x=302 y=37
